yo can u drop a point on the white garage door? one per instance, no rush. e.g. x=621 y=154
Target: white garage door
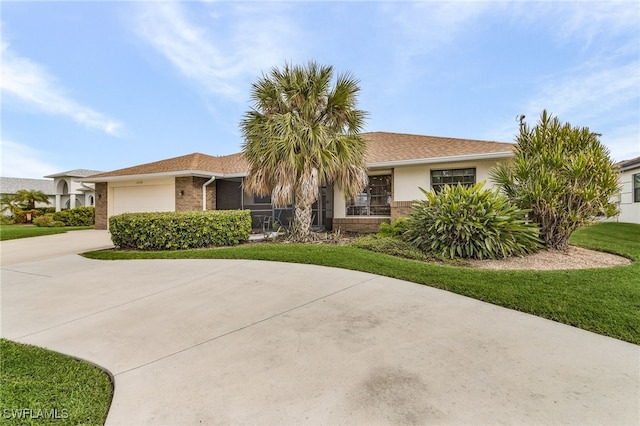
x=148 y=198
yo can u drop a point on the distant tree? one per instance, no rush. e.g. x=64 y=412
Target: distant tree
x=303 y=132
x=562 y=174
x=8 y=203
x=27 y=199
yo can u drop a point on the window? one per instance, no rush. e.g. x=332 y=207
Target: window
x=440 y=178
x=636 y=188
x=262 y=199
x=375 y=200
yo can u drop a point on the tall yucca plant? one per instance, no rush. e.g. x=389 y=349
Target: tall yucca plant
x=562 y=174
x=303 y=132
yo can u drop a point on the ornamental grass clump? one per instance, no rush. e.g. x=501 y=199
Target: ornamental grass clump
x=471 y=223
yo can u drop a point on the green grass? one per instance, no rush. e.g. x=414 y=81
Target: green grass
x=604 y=301
x=38 y=385
x=12 y=232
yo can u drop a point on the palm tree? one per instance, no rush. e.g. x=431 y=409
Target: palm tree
x=8 y=203
x=303 y=132
x=28 y=198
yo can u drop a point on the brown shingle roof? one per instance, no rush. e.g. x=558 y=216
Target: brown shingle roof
x=385 y=147
x=191 y=162
x=381 y=147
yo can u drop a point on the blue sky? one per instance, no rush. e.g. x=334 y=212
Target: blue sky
x=106 y=85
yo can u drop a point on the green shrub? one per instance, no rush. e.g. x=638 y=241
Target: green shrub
x=6 y=220
x=471 y=223
x=180 y=230
x=397 y=228
x=21 y=216
x=393 y=246
x=47 y=221
x=79 y=216
x=46 y=210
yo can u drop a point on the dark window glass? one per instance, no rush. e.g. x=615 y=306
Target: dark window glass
x=375 y=200
x=636 y=188
x=262 y=200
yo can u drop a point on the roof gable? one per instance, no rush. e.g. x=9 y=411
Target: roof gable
x=185 y=163
x=75 y=173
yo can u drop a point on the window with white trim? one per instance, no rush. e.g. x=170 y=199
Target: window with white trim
x=375 y=200
x=440 y=178
x=636 y=188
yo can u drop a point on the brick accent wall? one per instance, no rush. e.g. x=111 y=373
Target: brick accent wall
x=360 y=225
x=189 y=194
x=101 y=206
x=400 y=209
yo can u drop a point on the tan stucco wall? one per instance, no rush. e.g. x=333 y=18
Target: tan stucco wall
x=408 y=179
x=629 y=211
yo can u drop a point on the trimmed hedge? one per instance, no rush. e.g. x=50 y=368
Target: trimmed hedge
x=79 y=216
x=47 y=221
x=180 y=230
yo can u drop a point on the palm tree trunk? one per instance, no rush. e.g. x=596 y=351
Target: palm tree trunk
x=301 y=229
x=306 y=194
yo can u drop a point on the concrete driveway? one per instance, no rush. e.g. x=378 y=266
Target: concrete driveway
x=238 y=341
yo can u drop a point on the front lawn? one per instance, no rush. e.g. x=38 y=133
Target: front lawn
x=604 y=301
x=38 y=386
x=12 y=232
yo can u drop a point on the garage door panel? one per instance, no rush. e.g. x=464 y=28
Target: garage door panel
x=149 y=198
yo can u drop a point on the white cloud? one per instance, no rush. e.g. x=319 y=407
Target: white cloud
x=589 y=92
x=31 y=83
x=23 y=161
x=427 y=25
x=416 y=29
x=588 y=20
x=217 y=57
x=603 y=92
x=623 y=142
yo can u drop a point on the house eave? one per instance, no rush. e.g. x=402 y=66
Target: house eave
x=436 y=160
x=630 y=167
x=177 y=173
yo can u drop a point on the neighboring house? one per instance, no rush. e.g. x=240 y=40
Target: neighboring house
x=70 y=191
x=628 y=199
x=398 y=165
x=9 y=185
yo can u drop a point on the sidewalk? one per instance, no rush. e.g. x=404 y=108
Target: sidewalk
x=52 y=246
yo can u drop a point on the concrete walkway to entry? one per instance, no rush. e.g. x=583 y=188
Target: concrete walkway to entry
x=240 y=341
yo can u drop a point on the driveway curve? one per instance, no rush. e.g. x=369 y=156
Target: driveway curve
x=242 y=341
